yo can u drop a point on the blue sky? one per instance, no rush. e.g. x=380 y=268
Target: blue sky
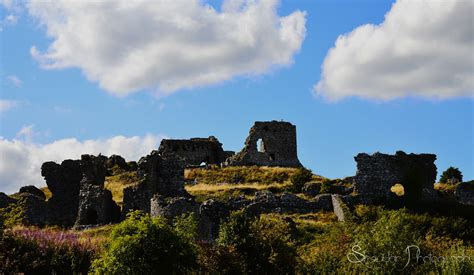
x=48 y=105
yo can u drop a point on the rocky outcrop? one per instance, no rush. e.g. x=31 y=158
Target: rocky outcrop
x=33 y=190
x=6 y=200
x=95 y=203
x=268 y=144
x=117 y=161
x=173 y=207
x=63 y=181
x=35 y=209
x=195 y=151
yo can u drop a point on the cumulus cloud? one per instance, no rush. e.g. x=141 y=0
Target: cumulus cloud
x=6 y=105
x=166 y=45
x=20 y=161
x=422 y=49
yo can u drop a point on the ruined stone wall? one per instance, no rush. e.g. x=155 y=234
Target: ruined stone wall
x=95 y=202
x=195 y=151
x=63 y=181
x=377 y=173
x=277 y=146
x=160 y=175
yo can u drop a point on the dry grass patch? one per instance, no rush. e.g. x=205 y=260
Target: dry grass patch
x=241 y=174
x=203 y=192
x=117 y=183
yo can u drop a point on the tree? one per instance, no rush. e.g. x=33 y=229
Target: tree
x=451 y=174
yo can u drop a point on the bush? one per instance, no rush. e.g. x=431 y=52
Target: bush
x=44 y=251
x=145 y=245
x=264 y=243
x=325 y=186
x=299 y=178
x=450 y=174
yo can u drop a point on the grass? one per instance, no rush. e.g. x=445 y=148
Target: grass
x=241 y=174
x=117 y=183
x=203 y=191
x=445 y=188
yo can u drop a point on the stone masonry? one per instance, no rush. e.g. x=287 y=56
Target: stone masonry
x=95 y=202
x=160 y=175
x=270 y=143
x=195 y=151
x=377 y=173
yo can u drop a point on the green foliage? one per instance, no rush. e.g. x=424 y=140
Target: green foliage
x=325 y=187
x=451 y=173
x=143 y=245
x=264 y=243
x=13 y=214
x=220 y=259
x=186 y=226
x=299 y=178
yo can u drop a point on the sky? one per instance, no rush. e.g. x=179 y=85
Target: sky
x=115 y=77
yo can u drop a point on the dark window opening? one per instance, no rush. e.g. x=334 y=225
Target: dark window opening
x=91 y=216
x=272 y=157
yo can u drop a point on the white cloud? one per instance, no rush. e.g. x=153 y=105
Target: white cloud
x=6 y=105
x=12 y=11
x=422 y=49
x=20 y=162
x=166 y=45
x=14 y=80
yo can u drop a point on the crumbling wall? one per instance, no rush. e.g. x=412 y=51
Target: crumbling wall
x=270 y=143
x=63 y=181
x=464 y=193
x=195 y=151
x=377 y=173
x=160 y=175
x=95 y=203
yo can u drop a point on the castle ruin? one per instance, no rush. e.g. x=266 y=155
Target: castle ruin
x=270 y=143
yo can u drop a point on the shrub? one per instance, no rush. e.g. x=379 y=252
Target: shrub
x=325 y=186
x=142 y=244
x=299 y=178
x=265 y=243
x=45 y=251
x=220 y=259
x=450 y=174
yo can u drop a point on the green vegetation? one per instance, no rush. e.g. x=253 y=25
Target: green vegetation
x=271 y=244
x=451 y=175
x=13 y=214
x=299 y=178
x=143 y=245
x=374 y=240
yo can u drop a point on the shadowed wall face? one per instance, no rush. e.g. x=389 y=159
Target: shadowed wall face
x=377 y=173
x=195 y=151
x=270 y=143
